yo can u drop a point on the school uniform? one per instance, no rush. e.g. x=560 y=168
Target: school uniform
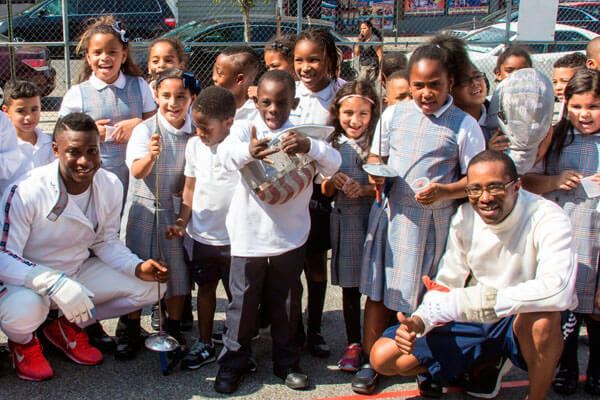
x=247 y=112
x=313 y=108
x=127 y=97
x=349 y=218
x=582 y=155
x=43 y=224
x=266 y=240
x=406 y=239
x=139 y=227
x=207 y=244
x=10 y=154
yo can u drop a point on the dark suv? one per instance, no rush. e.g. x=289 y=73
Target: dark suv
x=42 y=22
x=222 y=31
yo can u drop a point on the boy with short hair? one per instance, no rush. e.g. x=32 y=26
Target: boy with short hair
x=397 y=88
x=267 y=240
x=206 y=197
x=235 y=69
x=563 y=70
x=23 y=107
x=390 y=63
x=592 y=53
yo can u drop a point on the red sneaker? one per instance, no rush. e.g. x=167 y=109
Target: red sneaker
x=29 y=361
x=73 y=341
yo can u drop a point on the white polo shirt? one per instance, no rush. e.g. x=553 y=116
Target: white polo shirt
x=313 y=107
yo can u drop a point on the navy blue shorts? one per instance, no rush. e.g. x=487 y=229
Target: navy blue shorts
x=208 y=264
x=452 y=349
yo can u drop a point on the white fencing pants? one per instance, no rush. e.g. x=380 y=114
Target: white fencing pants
x=22 y=310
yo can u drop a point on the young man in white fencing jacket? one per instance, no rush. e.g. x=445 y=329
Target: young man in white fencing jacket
x=60 y=249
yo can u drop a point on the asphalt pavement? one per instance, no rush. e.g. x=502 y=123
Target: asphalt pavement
x=142 y=378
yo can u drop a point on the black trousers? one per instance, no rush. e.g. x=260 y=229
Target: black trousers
x=247 y=277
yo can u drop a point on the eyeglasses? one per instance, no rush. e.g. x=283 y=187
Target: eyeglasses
x=480 y=77
x=495 y=189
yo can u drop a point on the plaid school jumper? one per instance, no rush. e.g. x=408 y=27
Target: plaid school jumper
x=583 y=156
x=349 y=221
x=117 y=105
x=139 y=216
x=406 y=240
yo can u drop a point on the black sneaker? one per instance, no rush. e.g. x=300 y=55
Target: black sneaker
x=486 y=379
x=428 y=387
x=198 y=355
x=317 y=345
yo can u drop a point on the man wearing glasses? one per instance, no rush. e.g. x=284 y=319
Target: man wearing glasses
x=515 y=251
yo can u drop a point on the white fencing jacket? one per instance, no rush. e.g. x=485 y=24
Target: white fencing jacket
x=40 y=225
x=529 y=258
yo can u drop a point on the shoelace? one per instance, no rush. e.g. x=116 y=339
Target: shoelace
x=33 y=353
x=199 y=348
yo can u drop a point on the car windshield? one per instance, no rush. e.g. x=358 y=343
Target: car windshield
x=187 y=32
x=485 y=40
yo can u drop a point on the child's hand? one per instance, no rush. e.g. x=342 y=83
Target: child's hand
x=596 y=178
x=432 y=193
x=175 y=231
x=125 y=129
x=294 y=143
x=567 y=180
x=252 y=91
x=258 y=148
x=339 y=180
x=499 y=141
x=154 y=146
x=101 y=124
x=352 y=189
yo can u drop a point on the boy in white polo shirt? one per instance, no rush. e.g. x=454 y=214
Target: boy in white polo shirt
x=206 y=197
x=267 y=241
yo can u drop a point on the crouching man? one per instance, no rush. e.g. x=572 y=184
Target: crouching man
x=516 y=251
x=60 y=249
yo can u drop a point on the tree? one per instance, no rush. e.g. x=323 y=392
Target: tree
x=245 y=7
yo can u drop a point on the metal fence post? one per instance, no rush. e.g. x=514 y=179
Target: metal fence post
x=65 y=18
x=11 y=50
x=508 y=15
x=299 y=12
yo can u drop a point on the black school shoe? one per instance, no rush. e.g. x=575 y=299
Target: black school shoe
x=428 y=387
x=565 y=381
x=130 y=341
x=100 y=339
x=592 y=384
x=292 y=376
x=486 y=379
x=317 y=345
x=365 y=381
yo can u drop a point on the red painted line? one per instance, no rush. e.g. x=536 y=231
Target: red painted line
x=415 y=392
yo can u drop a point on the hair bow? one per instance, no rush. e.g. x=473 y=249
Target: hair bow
x=117 y=28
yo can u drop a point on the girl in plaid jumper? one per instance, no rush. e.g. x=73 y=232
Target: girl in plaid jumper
x=355 y=112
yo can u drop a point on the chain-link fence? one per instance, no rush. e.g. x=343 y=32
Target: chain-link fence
x=43 y=35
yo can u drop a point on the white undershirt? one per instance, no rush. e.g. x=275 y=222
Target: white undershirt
x=85 y=204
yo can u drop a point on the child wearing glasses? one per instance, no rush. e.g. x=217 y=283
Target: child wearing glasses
x=572 y=157
x=470 y=95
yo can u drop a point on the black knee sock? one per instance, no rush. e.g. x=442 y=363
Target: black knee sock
x=593 y=330
x=316 y=301
x=568 y=360
x=351 y=305
x=133 y=327
x=173 y=326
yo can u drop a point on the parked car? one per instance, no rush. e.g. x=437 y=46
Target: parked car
x=42 y=22
x=202 y=58
x=567 y=14
x=484 y=48
x=31 y=63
